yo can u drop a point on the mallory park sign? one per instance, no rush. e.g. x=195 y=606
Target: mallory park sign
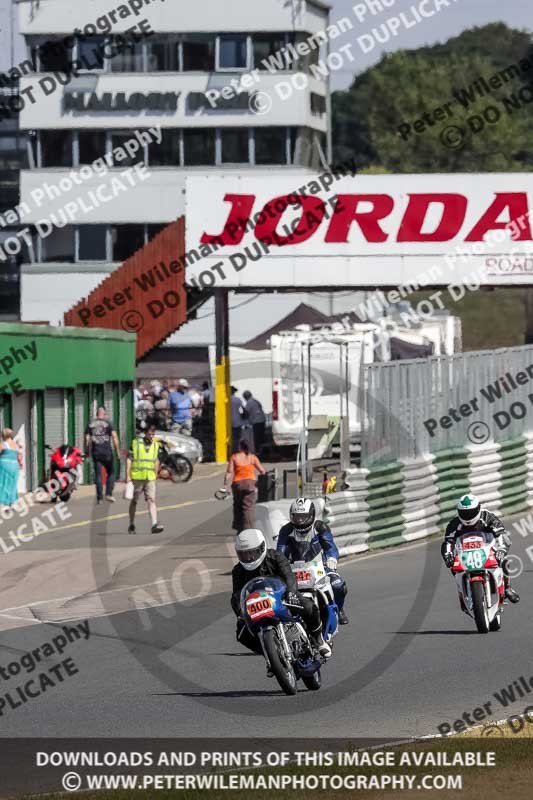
x=118 y=101
x=370 y=231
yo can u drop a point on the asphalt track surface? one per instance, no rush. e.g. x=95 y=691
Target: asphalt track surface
x=408 y=661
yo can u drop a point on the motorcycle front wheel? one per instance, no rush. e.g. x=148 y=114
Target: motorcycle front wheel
x=283 y=672
x=179 y=468
x=480 y=608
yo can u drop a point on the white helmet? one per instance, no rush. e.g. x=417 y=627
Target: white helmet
x=469 y=509
x=302 y=514
x=251 y=548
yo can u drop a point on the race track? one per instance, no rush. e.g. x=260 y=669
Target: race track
x=409 y=660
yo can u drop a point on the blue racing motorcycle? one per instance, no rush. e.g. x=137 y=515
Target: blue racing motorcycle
x=284 y=641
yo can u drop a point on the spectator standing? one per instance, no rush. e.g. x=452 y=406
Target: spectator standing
x=208 y=394
x=257 y=419
x=162 y=410
x=98 y=437
x=237 y=419
x=180 y=408
x=142 y=467
x=137 y=395
x=242 y=467
x=196 y=400
x=9 y=468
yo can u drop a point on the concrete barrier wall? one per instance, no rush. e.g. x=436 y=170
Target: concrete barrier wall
x=412 y=499
x=401 y=502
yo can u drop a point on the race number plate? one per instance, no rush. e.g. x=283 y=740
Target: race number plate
x=472 y=544
x=259 y=605
x=474 y=559
x=303 y=576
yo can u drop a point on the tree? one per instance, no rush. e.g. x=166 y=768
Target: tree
x=468 y=125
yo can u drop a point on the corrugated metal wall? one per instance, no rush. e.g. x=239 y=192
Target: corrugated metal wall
x=152 y=288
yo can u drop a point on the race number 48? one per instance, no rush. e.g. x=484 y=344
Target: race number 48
x=475 y=559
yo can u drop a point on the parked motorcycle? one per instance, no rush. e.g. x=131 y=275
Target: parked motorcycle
x=480 y=580
x=314 y=583
x=286 y=646
x=64 y=463
x=173 y=466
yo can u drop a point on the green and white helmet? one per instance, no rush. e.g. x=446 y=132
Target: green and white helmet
x=469 y=509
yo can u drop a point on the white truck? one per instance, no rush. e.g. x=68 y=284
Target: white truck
x=317 y=372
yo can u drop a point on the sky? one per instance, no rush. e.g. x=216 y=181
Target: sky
x=448 y=22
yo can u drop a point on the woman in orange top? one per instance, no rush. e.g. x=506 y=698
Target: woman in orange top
x=242 y=466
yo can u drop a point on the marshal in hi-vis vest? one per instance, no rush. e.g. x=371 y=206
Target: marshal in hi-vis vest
x=143 y=461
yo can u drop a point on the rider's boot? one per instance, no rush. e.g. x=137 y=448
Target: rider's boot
x=318 y=640
x=510 y=593
x=343 y=617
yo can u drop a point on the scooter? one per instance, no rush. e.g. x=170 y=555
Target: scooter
x=64 y=464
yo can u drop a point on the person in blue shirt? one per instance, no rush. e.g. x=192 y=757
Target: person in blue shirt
x=180 y=408
x=304 y=537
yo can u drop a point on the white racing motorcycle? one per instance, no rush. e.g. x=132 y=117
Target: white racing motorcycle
x=314 y=583
x=480 y=580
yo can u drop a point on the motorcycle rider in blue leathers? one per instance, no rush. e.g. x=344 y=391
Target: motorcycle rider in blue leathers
x=304 y=537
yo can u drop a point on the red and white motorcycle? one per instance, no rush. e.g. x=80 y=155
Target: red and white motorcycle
x=480 y=579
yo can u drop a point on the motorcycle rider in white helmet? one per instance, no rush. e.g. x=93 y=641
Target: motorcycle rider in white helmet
x=304 y=537
x=472 y=516
x=255 y=561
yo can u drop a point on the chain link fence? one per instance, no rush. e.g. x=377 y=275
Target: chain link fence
x=416 y=407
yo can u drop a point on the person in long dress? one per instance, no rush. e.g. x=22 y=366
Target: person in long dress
x=9 y=468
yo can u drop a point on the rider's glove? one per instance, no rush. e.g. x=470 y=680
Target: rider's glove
x=500 y=555
x=331 y=563
x=448 y=559
x=292 y=599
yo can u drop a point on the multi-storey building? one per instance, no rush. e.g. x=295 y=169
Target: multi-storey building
x=95 y=84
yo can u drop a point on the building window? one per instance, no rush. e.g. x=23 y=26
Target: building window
x=92 y=243
x=270 y=145
x=127 y=239
x=267 y=46
x=127 y=57
x=318 y=104
x=90 y=52
x=153 y=230
x=166 y=154
x=58 y=245
x=199 y=147
x=163 y=54
x=118 y=140
x=232 y=51
x=56 y=149
x=235 y=149
x=199 y=54
x=51 y=56
x=91 y=145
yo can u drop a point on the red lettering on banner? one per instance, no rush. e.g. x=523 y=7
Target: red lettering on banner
x=235 y=226
x=516 y=202
x=313 y=210
x=368 y=221
x=452 y=217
